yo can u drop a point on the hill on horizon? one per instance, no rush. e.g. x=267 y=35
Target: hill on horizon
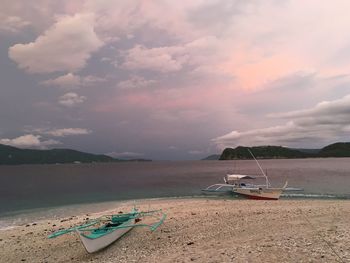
x=10 y=155
x=339 y=149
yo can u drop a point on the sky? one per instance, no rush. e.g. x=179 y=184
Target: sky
x=173 y=80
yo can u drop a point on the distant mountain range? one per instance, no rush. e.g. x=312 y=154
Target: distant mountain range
x=340 y=149
x=11 y=156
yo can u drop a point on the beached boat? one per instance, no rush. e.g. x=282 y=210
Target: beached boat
x=235 y=183
x=103 y=231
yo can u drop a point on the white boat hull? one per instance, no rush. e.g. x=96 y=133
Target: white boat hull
x=259 y=193
x=95 y=244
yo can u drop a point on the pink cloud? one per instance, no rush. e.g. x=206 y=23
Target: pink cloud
x=157 y=59
x=192 y=101
x=253 y=70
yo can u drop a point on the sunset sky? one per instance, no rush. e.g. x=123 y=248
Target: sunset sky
x=173 y=79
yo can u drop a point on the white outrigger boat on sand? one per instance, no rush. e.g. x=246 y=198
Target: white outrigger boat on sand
x=103 y=231
x=233 y=183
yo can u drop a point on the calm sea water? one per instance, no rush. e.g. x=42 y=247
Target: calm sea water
x=29 y=187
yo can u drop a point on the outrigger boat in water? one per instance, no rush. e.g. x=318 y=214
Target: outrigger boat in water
x=101 y=232
x=233 y=184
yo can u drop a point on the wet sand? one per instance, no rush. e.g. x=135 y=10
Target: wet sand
x=201 y=230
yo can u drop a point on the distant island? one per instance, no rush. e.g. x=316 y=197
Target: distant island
x=340 y=149
x=212 y=157
x=13 y=156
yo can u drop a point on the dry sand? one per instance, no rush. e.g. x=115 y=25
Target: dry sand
x=202 y=230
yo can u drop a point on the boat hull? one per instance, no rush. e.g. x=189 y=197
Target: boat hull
x=259 y=193
x=95 y=244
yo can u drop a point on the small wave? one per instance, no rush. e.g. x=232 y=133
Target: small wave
x=4 y=227
x=321 y=196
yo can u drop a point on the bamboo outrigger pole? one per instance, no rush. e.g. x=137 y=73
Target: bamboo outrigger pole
x=262 y=171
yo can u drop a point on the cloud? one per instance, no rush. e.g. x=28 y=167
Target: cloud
x=135 y=82
x=157 y=59
x=126 y=155
x=324 y=123
x=64 y=132
x=12 y=24
x=66 y=81
x=29 y=141
x=198 y=53
x=106 y=59
x=71 y=81
x=219 y=65
x=40 y=13
x=172 y=147
x=91 y=80
x=125 y=18
x=66 y=46
x=71 y=99
x=323 y=112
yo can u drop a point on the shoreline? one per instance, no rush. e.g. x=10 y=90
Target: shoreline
x=88 y=205
x=38 y=214
x=200 y=230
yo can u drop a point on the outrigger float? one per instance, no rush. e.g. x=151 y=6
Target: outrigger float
x=101 y=232
x=233 y=184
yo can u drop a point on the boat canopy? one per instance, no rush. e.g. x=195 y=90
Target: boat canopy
x=233 y=177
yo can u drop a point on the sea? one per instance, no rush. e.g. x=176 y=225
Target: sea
x=32 y=192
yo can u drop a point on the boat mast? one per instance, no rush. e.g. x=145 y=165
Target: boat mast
x=262 y=171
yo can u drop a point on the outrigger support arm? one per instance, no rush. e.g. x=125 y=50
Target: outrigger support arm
x=153 y=227
x=66 y=231
x=133 y=214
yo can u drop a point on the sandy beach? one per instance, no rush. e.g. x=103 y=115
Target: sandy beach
x=201 y=230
